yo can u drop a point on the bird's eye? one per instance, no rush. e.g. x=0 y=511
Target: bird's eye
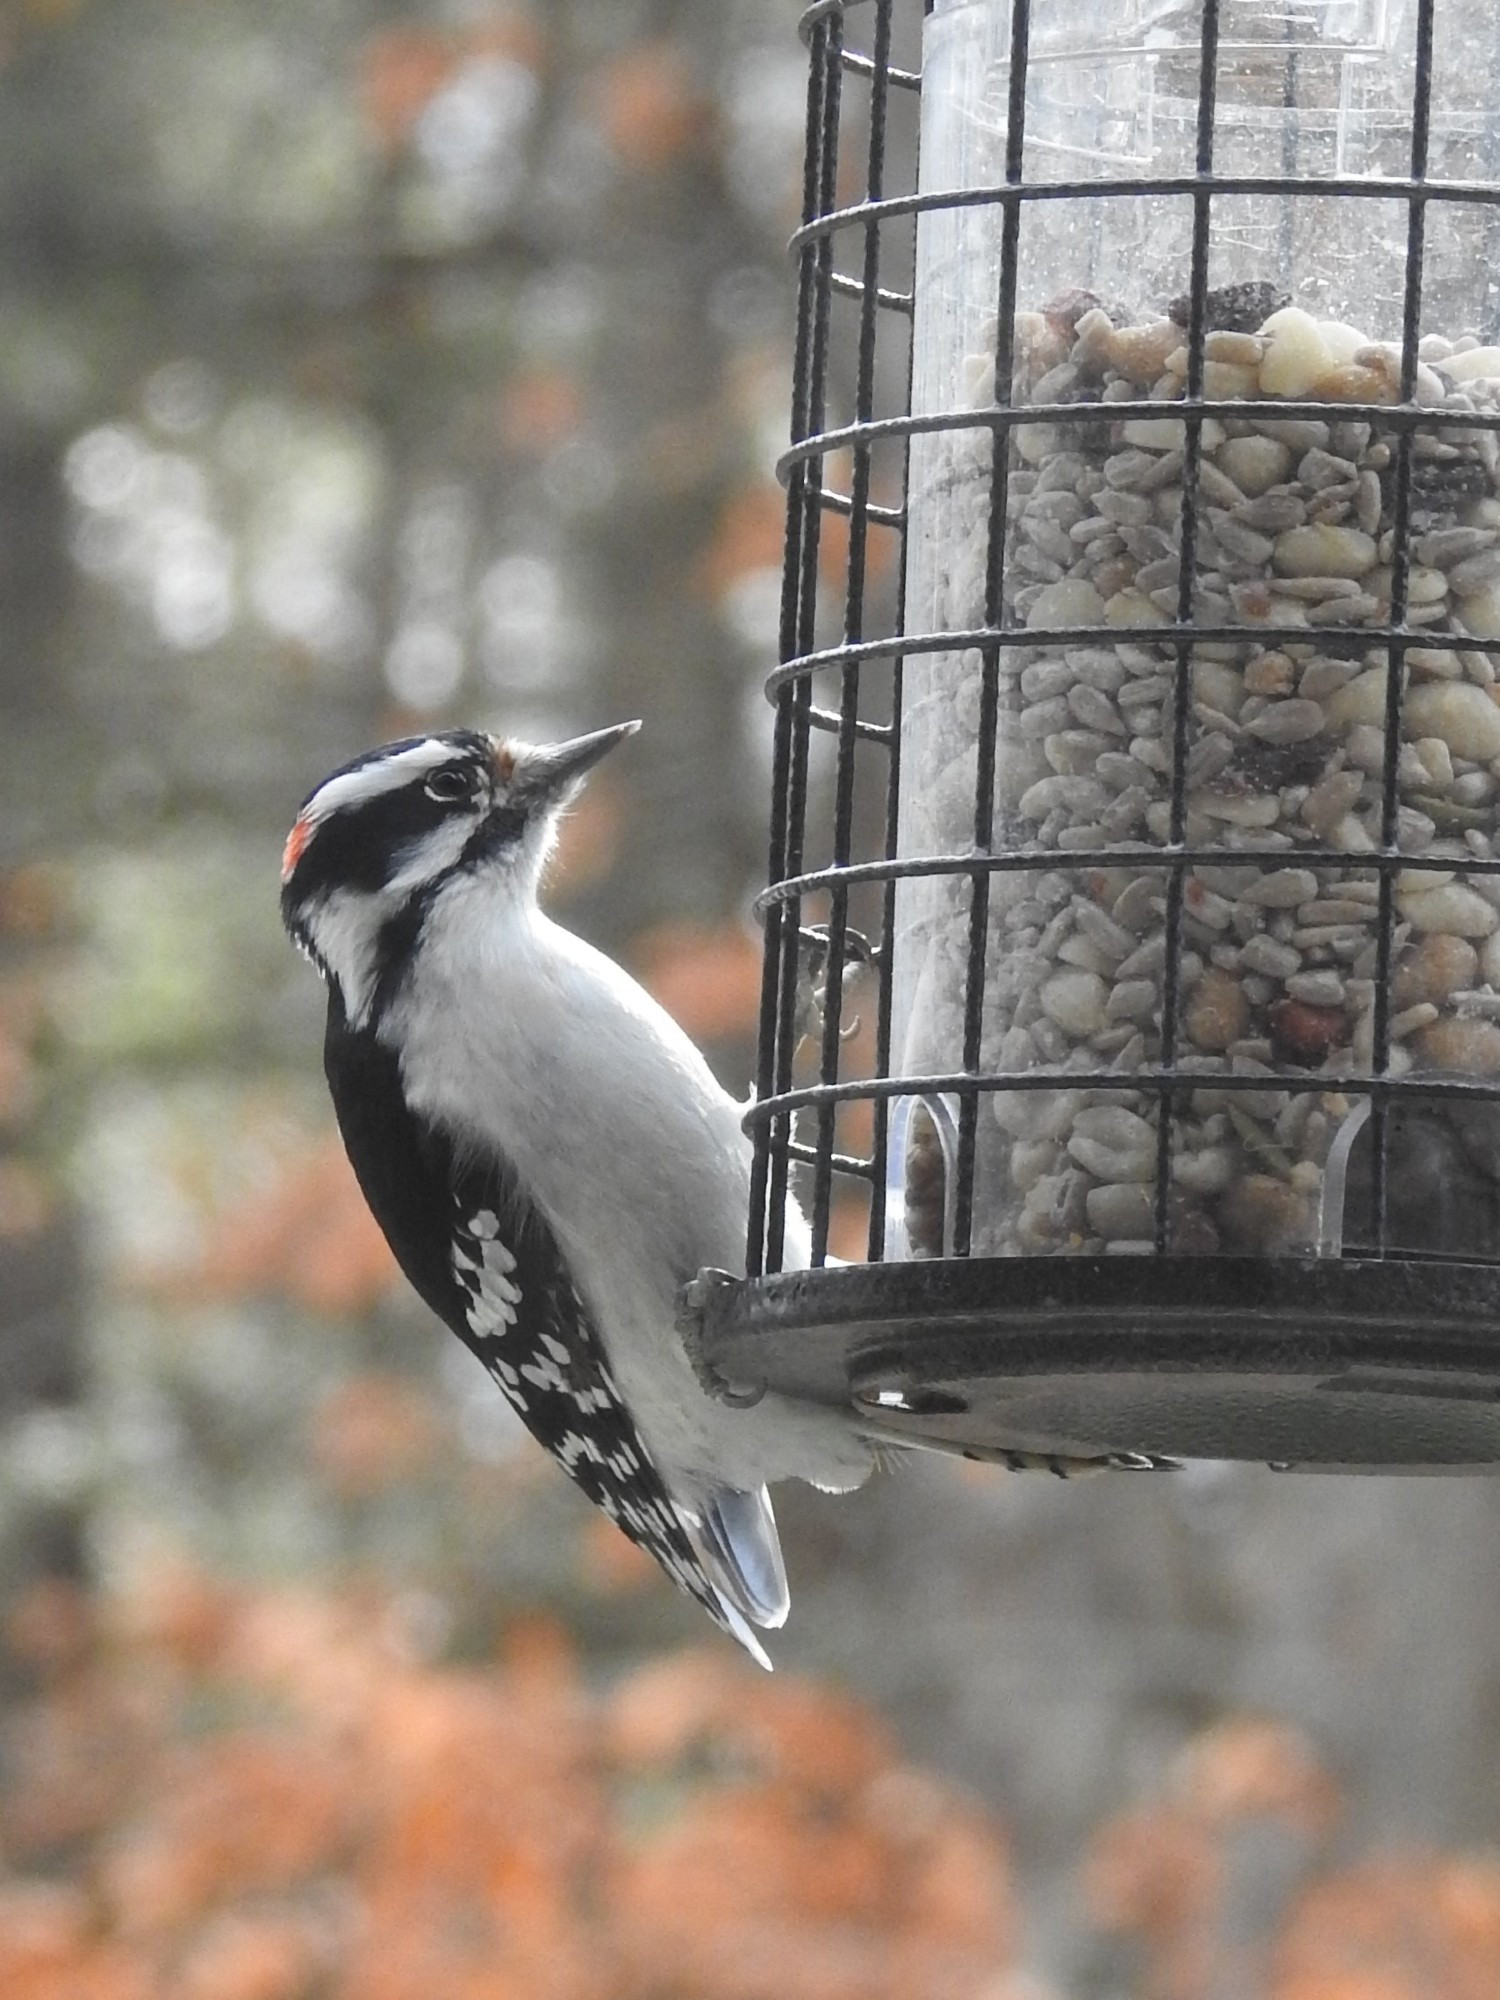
x=450 y=786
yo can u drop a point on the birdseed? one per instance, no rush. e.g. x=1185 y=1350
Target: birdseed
x=1284 y=736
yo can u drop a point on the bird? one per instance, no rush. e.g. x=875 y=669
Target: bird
x=546 y=1151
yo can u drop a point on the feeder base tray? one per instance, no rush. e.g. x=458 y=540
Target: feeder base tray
x=1310 y=1365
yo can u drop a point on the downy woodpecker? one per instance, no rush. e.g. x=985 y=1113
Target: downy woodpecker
x=548 y=1155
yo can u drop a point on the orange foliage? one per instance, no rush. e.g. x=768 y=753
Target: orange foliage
x=20 y=1018
x=540 y=407
x=588 y=838
x=49 y=1627
x=665 y=1711
x=372 y=1431
x=882 y=547
x=26 y=1200
x=268 y=1795
x=707 y=976
x=1152 y=1873
x=1249 y=1766
x=390 y=1830
x=73 y=1753
x=825 y=1870
x=750 y=533
x=311 y=1237
x=178 y=1613
x=18 y=1092
x=856 y=1118
x=849 y=1228
x=674 y=456
x=48 y=1950
x=649 y=106
x=31 y=901
x=402 y=69
x=612 y=1563
x=1413 y=1927
x=241 y=1814
x=250 y=1958
x=748 y=536
x=1162 y=1872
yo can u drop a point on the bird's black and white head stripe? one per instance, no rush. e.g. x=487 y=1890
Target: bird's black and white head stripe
x=376 y=842
x=373 y=842
x=405 y=805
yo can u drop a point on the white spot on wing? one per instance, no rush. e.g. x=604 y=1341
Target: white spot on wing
x=545 y=1374
x=493 y=1295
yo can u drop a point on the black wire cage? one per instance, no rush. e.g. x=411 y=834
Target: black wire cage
x=1131 y=1017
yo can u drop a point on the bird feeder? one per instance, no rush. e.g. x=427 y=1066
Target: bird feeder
x=1156 y=808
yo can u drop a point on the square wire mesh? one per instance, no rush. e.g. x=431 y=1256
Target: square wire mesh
x=831 y=1106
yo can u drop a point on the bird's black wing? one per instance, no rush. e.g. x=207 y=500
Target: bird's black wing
x=490 y=1267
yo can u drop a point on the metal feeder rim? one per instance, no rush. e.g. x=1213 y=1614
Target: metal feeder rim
x=1410 y=189
x=1342 y=1364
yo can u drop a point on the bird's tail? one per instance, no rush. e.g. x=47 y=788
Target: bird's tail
x=734 y=1536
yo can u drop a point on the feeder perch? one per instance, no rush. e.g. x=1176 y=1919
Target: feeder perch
x=1137 y=776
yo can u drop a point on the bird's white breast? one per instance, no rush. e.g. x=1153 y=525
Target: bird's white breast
x=625 y=1141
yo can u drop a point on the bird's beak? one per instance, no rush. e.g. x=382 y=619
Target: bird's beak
x=546 y=774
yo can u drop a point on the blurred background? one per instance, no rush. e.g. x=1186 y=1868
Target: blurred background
x=366 y=368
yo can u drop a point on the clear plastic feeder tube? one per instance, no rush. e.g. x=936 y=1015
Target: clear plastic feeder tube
x=1245 y=882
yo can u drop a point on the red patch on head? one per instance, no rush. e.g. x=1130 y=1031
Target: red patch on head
x=504 y=762
x=296 y=845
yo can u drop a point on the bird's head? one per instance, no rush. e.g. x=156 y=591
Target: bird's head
x=377 y=841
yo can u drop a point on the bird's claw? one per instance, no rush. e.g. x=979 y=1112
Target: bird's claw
x=692 y=1306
